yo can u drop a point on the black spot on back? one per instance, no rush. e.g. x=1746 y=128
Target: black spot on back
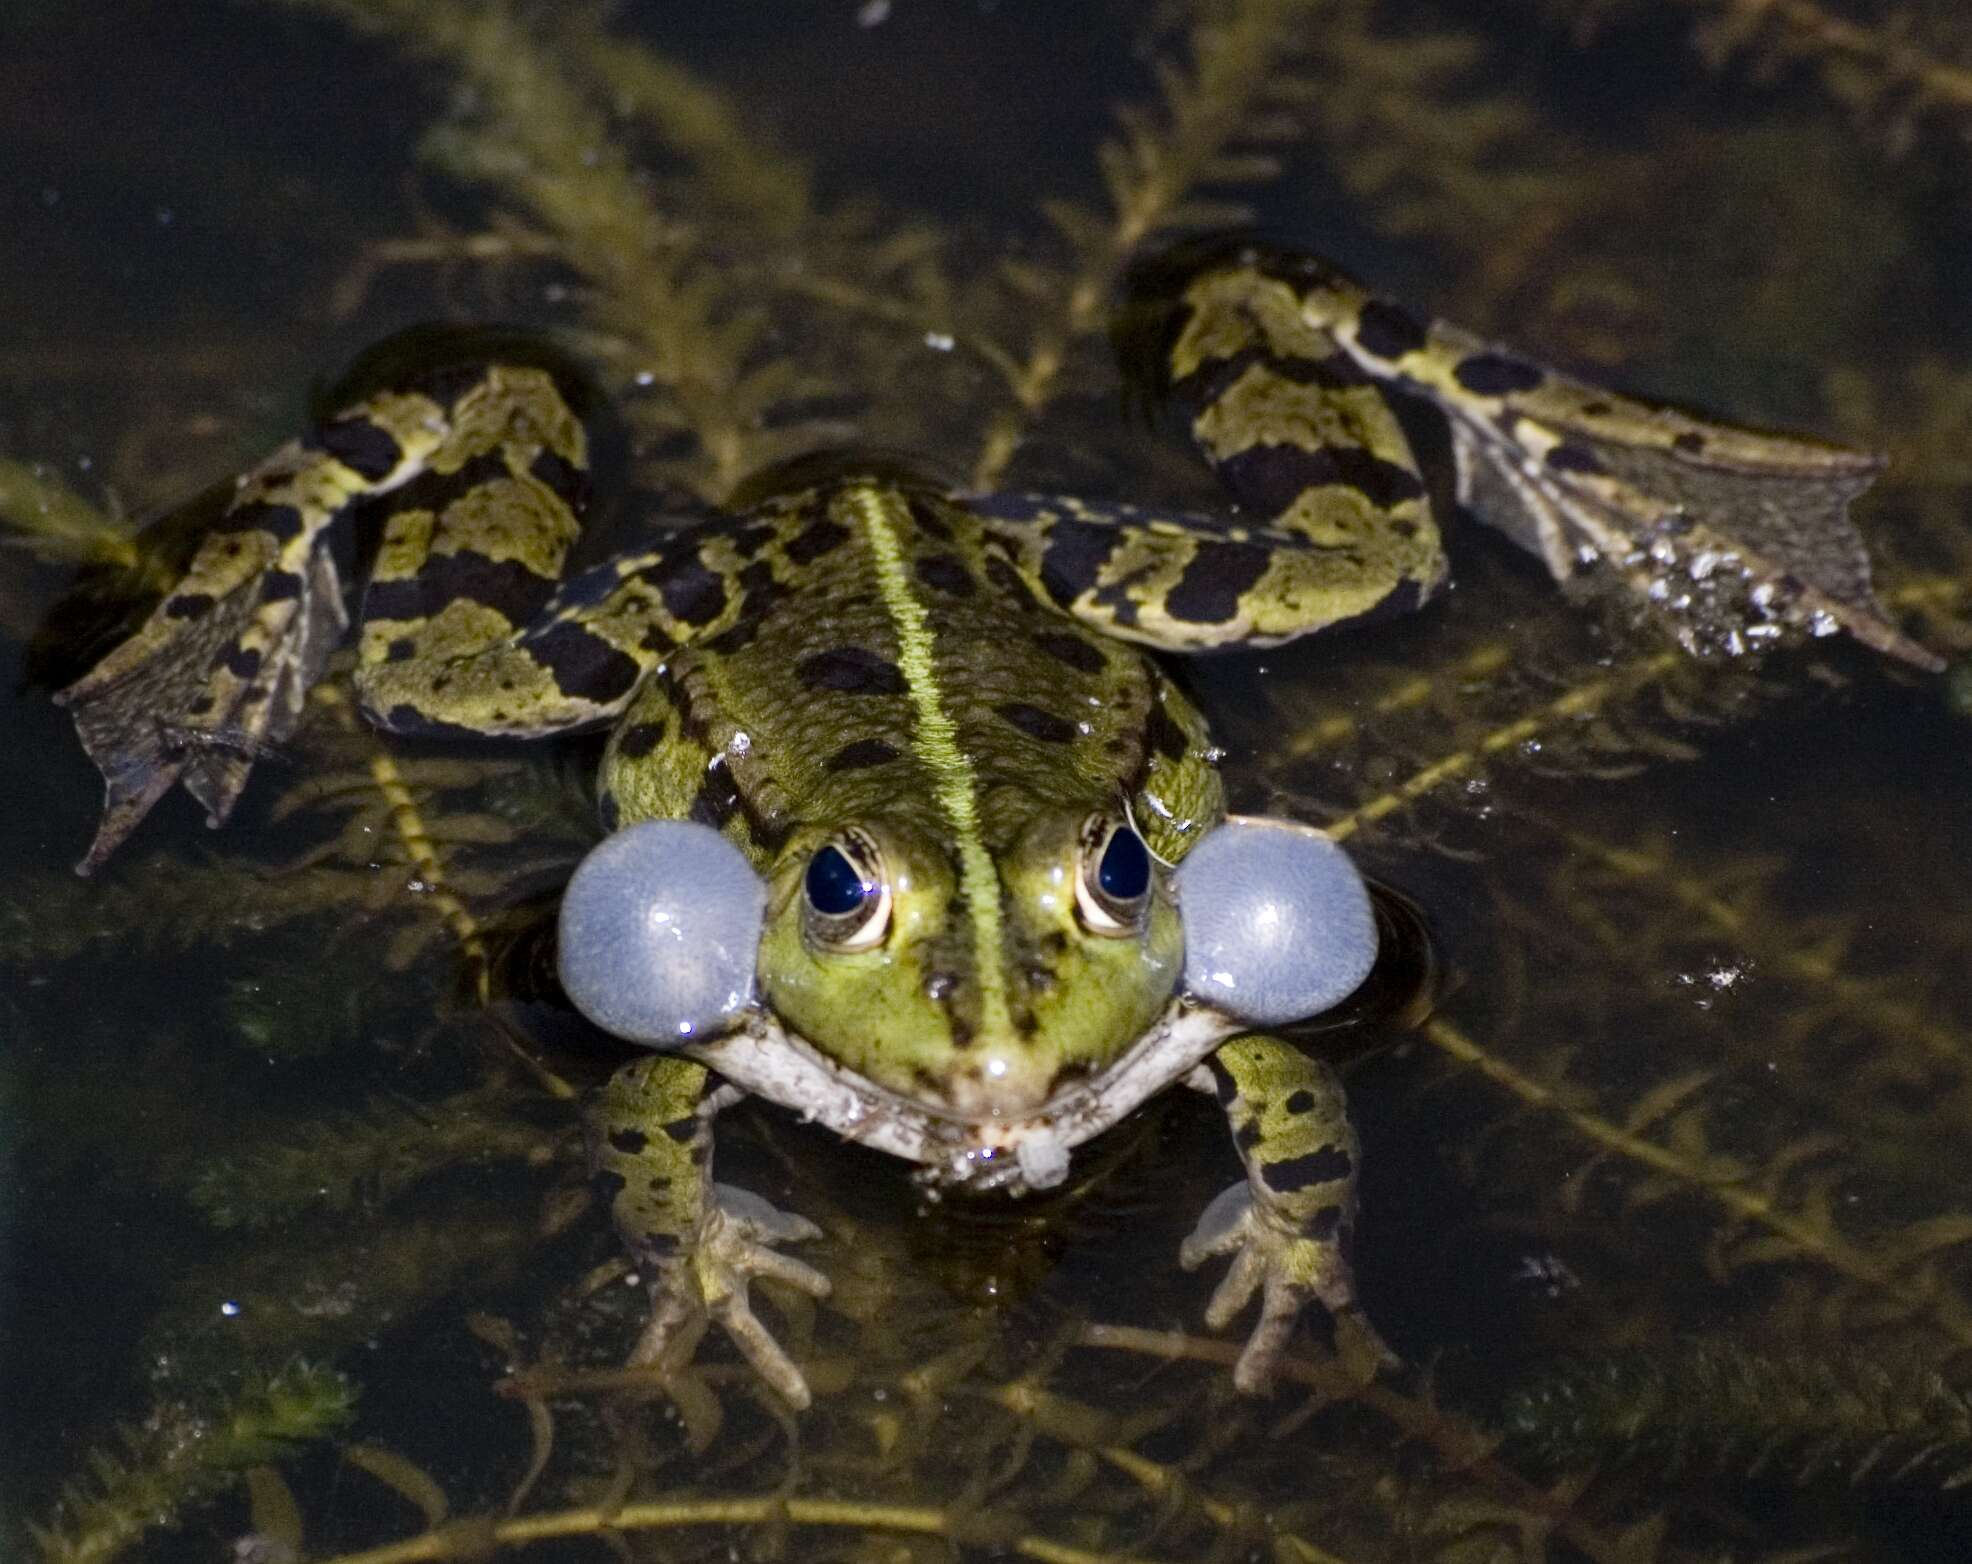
x=692 y=593
x=242 y=662
x=1165 y=736
x=1495 y=374
x=852 y=670
x=1065 y=647
x=819 y=537
x=1037 y=723
x=1009 y=583
x=718 y=796
x=732 y=639
x=639 y=739
x=278 y=585
x=862 y=754
x=945 y=573
x=188 y=605
x=928 y=521
x=1388 y=330
x=1690 y=441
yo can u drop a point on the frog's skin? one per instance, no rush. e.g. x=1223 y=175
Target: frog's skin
x=951 y=688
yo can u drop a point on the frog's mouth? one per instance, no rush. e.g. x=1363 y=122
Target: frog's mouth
x=978 y=1152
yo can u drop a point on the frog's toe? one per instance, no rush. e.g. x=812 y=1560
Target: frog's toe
x=758 y=1217
x=1286 y=1268
x=735 y=1249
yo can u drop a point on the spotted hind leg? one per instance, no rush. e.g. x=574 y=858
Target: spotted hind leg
x=1334 y=522
x=483 y=468
x=219 y=671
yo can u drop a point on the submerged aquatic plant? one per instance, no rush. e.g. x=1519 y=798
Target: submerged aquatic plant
x=1695 y=1069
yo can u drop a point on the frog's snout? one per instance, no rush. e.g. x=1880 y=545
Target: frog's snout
x=1277 y=921
x=660 y=931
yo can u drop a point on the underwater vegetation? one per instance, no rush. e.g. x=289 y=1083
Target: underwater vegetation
x=1665 y=1208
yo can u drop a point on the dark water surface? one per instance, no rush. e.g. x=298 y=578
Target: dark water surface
x=1666 y=1209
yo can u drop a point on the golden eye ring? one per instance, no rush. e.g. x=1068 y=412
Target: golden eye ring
x=845 y=895
x=1113 y=880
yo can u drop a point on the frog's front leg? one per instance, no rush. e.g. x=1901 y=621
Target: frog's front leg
x=651 y=1142
x=1288 y=1225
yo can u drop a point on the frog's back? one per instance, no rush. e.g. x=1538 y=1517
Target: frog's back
x=887 y=660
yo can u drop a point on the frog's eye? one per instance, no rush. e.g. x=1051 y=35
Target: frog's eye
x=660 y=932
x=1113 y=888
x=847 y=898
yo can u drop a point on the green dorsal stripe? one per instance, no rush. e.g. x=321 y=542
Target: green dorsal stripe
x=955 y=784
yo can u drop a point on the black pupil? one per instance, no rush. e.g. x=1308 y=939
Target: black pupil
x=1124 y=873
x=834 y=885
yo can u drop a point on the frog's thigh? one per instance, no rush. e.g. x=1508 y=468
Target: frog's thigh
x=1290 y=1123
x=650 y=1146
x=1194 y=583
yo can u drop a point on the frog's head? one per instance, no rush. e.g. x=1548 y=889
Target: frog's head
x=874 y=967
x=973 y=982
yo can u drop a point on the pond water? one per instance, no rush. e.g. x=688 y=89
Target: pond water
x=1665 y=1144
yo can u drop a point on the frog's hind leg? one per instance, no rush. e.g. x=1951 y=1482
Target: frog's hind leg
x=218 y=674
x=1334 y=521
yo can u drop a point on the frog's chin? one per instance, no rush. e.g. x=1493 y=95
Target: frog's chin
x=1013 y=1153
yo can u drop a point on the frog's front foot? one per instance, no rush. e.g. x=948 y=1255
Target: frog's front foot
x=710 y=1277
x=1285 y=1266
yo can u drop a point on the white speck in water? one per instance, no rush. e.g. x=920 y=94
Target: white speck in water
x=1821 y=623
x=940 y=341
x=873 y=13
x=229 y=1308
x=645 y=378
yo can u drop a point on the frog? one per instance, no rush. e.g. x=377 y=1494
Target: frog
x=908 y=826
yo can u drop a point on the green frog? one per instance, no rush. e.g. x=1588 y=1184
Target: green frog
x=907 y=830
